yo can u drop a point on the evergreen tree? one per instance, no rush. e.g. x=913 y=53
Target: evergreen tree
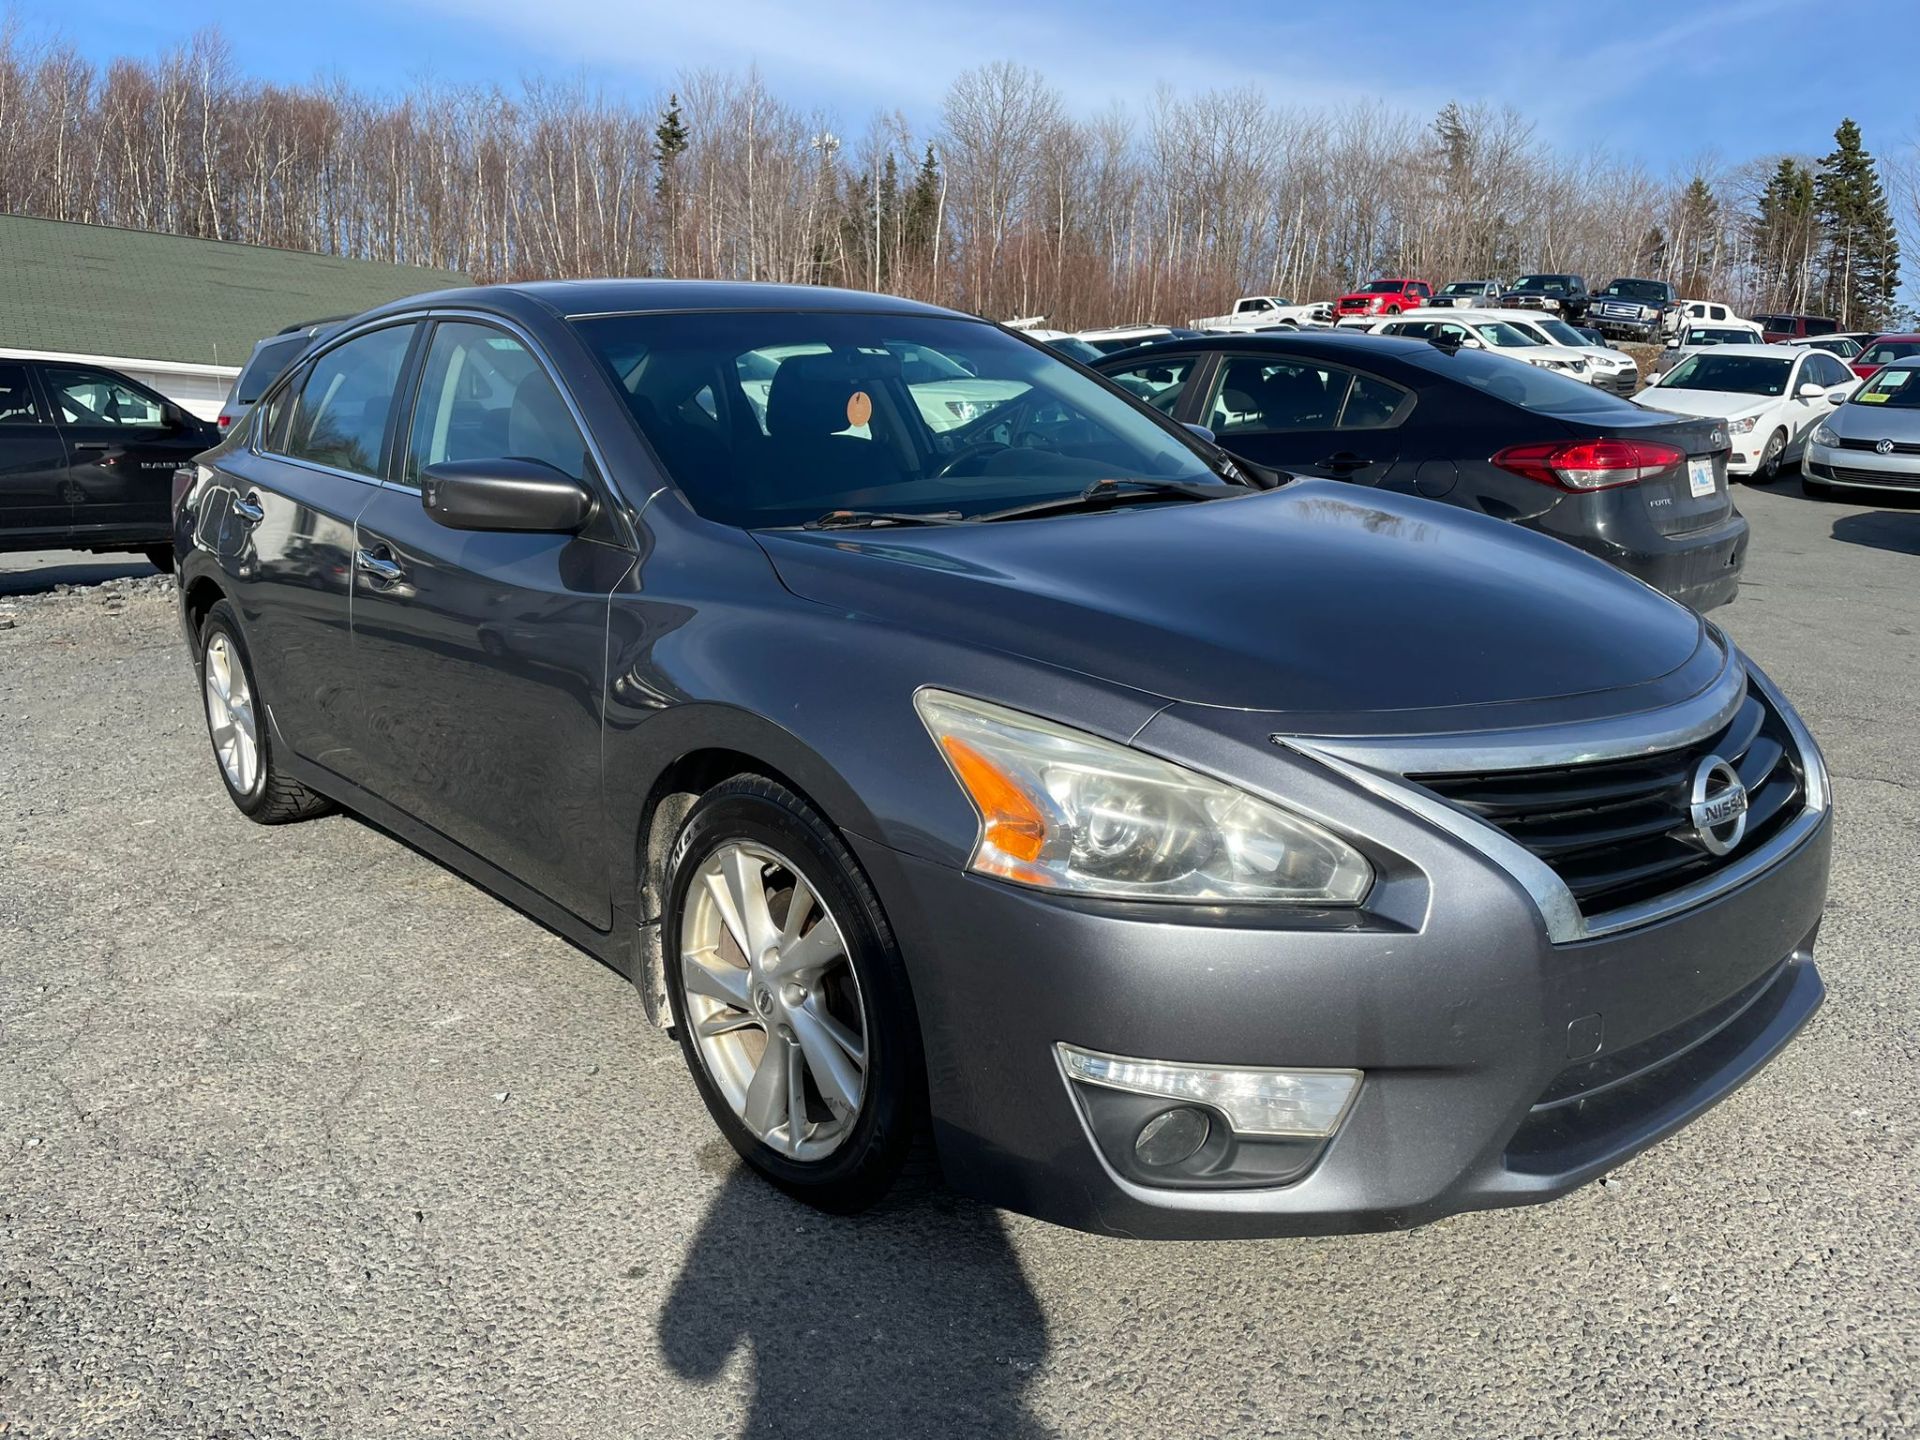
x=1783 y=229
x=1861 y=256
x=1697 y=238
x=669 y=144
x=922 y=212
x=1653 y=252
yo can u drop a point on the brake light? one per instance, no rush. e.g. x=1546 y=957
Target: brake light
x=1590 y=464
x=225 y=420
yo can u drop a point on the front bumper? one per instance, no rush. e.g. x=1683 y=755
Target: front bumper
x=1624 y=383
x=1618 y=329
x=1500 y=1068
x=1863 y=468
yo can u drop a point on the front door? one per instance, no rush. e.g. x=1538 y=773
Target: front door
x=480 y=657
x=34 y=504
x=124 y=444
x=1306 y=417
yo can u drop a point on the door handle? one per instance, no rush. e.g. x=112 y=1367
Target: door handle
x=250 y=509
x=1345 y=460
x=380 y=568
x=91 y=445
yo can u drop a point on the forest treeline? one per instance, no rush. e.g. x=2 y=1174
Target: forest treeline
x=1010 y=206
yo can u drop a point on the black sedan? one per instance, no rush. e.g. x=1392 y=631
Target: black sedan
x=1644 y=490
x=87 y=457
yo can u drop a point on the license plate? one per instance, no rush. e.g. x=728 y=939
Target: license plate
x=1700 y=476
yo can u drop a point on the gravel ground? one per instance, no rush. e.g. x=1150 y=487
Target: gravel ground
x=302 y=1136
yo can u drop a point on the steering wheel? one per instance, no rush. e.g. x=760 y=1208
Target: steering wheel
x=968 y=452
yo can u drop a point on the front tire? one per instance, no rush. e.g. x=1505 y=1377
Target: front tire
x=237 y=726
x=789 y=996
x=1768 y=470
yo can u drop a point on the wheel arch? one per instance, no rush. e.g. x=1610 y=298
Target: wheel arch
x=200 y=595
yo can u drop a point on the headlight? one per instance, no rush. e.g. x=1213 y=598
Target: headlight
x=1824 y=436
x=965 y=410
x=1066 y=811
x=1744 y=424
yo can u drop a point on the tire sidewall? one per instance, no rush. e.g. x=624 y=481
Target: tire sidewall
x=768 y=816
x=221 y=620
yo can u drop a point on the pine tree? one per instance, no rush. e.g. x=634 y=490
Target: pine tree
x=669 y=144
x=922 y=208
x=1784 y=228
x=1697 y=239
x=1861 y=256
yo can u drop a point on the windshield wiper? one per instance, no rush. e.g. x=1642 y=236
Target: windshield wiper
x=866 y=519
x=1108 y=490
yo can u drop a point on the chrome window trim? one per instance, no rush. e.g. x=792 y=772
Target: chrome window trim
x=1558 y=909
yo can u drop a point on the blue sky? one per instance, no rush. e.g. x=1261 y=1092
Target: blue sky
x=1669 y=82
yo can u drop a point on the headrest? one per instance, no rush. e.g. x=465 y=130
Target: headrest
x=809 y=394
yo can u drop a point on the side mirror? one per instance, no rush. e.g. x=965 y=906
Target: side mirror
x=1204 y=434
x=1812 y=390
x=1674 y=343
x=506 y=494
x=1839 y=394
x=1472 y=344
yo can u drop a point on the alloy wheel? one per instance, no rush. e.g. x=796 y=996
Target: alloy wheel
x=1770 y=460
x=230 y=715
x=773 y=1002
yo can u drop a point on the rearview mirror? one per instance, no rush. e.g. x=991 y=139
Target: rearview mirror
x=505 y=494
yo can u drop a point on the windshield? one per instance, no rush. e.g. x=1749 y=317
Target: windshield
x=1543 y=284
x=1890 y=389
x=1885 y=352
x=1504 y=336
x=775 y=418
x=1383 y=287
x=1463 y=287
x=1698 y=336
x=1562 y=333
x=1733 y=374
x=1651 y=291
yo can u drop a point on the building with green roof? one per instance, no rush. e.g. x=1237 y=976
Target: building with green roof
x=176 y=313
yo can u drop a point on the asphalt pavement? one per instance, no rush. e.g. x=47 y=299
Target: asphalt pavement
x=301 y=1135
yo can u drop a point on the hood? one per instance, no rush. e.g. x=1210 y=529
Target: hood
x=1312 y=599
x=1716 y=404
x=1899 y=423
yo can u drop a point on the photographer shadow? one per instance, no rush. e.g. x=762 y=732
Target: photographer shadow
x=913 y=1319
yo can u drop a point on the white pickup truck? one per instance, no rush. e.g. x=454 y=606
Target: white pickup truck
x=1267 y=312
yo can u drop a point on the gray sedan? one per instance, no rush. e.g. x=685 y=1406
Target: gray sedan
x=1873 y=441
x=1183 y=852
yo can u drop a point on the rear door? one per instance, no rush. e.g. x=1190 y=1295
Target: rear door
x=480 y=657
x=124 y=442
x=34 y=502
x=281 y=523
x=1306 y=417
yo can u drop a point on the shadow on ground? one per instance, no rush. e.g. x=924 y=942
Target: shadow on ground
x=911 y=1320
x=1898 y=531
x=37 y=572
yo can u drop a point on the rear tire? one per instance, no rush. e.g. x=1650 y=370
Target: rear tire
x=838 y=1024
x=238 y=727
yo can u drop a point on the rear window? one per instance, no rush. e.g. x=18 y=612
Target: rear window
x=1528 y=386
x=1823 y=327
x=268 y=364
x=1650 y=291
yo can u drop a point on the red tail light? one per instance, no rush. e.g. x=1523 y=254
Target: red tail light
x=225 y=420
x=1590 y=464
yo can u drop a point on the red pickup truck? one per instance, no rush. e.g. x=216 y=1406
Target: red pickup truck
x=1383 y=297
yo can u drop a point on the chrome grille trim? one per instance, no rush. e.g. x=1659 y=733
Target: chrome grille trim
x=1559 y=910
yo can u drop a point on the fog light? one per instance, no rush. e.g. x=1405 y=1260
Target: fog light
x=1172 y=1136
x=1255 y=1102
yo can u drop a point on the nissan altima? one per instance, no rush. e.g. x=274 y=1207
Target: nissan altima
x=1180 y=852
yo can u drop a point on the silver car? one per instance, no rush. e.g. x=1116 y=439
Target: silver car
x=1872 y=442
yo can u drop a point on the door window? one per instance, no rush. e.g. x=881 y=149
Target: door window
x=483 y=396
x=1826 y=371
x=96 y=397
x=340 y=417
x=17 y=405
x=1257 y=394
x=1370 y=404
x=1158 y=382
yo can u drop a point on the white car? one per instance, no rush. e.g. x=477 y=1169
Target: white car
x=1607 y=367
x=1482 y=330
x=1710 y=312
x=1700 y=335
x=1116 y=338
x=1771 y=397
x=1265 y=312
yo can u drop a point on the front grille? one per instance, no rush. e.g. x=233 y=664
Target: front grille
x=1900 y=447
x=1904 y=479
x=1619 y=832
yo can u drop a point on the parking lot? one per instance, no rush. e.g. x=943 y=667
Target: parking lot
x=299 y=1133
